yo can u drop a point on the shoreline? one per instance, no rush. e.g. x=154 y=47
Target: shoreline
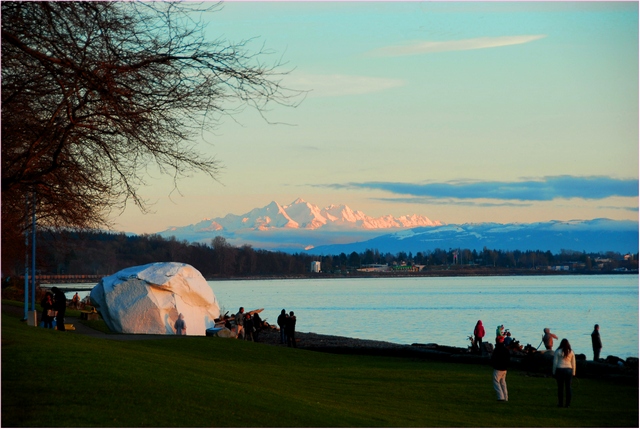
x=438 y=273
x=463 y=272
x=535 y=364
x=321 y=276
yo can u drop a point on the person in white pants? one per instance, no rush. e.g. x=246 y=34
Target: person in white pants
x=500 y=361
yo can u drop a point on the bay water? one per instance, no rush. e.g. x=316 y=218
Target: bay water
x=444 y=310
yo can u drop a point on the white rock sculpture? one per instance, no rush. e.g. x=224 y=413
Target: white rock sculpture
x=147 y=299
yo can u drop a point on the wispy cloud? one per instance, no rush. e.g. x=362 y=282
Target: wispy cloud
x=543 y=189
x=429 y=47
x=629 y=209
x=451 y=202
x=335 y=85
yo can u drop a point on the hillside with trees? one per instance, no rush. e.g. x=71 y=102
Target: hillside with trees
x=104 y=253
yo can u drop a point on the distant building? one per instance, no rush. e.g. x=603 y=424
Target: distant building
x=315 y=266
x=405 y=268
x=369 y=268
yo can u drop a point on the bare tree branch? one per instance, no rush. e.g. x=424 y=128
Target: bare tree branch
x=93 y=93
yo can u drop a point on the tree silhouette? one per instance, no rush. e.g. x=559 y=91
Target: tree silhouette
x=96 y=93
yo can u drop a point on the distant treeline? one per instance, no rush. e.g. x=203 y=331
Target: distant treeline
x=103 y=253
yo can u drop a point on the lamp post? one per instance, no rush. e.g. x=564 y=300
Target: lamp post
x=33 y=255
x=26 y=263
x=30 y=311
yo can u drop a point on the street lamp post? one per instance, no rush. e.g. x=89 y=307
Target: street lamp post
x=33 y=255
x=30 y=310
x=26 y=263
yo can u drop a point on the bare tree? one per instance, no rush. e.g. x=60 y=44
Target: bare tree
x=94 y=93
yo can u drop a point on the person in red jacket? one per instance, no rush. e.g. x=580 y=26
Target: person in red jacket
x=478 y=333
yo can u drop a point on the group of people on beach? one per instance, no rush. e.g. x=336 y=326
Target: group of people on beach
x=54 y=306
x=287 y=324
x=564 y=360
x=596 y=342
x=248 y=325
x=479 y=333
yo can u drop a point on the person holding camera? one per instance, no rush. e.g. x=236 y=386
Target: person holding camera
x=500 y=361
x=507 y=339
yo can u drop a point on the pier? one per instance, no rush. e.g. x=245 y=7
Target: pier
x=67 y=278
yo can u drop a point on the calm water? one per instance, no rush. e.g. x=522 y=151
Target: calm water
x=445 y=310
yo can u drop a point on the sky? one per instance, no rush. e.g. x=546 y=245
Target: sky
x=463 y=112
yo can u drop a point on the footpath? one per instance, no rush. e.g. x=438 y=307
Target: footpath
x=82 y=329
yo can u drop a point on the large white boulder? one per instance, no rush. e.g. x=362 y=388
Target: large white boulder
x=148 y=299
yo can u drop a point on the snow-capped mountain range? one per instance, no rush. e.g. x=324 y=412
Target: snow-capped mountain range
x=302 y=215
x=302 y=226
x=295 y=227
x=596 y=235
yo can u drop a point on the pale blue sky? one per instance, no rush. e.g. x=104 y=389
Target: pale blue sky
x=462 y=112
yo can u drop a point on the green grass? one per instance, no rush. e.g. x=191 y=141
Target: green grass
x=98 y=325
x=64 y=379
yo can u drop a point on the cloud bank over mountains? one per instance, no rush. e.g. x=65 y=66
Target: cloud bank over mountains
x=543 y=189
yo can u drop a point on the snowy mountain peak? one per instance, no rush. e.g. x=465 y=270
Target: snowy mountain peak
x=301 y=214
x=299 y=201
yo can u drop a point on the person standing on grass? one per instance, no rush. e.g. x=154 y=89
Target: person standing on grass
x=478 y=334
x=500 y=361
x=596 y=342
x=240 y=323
x=290 y=329
x=282 y=324
x=59 y=305
x=564 y=369
x=180 y=325
x=47 y=310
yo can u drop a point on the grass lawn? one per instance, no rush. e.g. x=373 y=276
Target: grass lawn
x=64 y=379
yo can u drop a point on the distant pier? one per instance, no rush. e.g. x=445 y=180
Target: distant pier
x=67 y=278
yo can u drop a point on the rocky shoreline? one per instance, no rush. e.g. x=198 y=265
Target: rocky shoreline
x=534 y=364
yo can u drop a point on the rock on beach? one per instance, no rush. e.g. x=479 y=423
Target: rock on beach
x=148 y=299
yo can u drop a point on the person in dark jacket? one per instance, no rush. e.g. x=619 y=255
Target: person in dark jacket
x=282 y=323
x=596 y=342
x=257 y=325
x=248 y=327
x=239 y=318
x=180 y=325
x=290 y=329
x=60 y=305
x=500 y=361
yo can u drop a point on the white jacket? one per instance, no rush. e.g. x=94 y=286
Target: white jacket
x=560 y=361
